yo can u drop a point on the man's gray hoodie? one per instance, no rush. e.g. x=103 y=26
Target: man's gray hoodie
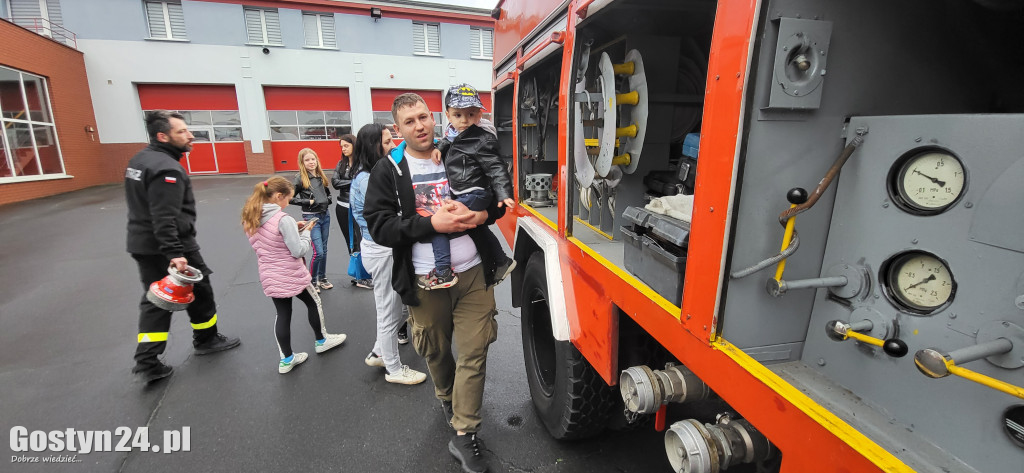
x=298 y=242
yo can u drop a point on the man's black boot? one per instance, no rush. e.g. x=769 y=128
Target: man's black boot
x=467 y=450
x=215 y=344
x=153 y=373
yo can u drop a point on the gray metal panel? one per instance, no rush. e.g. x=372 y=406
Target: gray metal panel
x=792 y=87
x=796 y=149
x=867 y=229
x=1003 y=198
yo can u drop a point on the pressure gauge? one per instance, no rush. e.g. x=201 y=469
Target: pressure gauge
x=918 y=282
x=927 y=181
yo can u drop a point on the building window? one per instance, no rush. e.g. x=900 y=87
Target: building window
x=263 y=27
x=166 y=20
x=319 y=30
x=426 y=38
x=41 y=16
x=216 y=126
x=29 y=139
x=482 y=43
x=298 y=125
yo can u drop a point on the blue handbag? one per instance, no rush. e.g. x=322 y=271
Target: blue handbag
x=355 y=260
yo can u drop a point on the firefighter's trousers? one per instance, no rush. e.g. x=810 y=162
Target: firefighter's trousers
x=155 y=323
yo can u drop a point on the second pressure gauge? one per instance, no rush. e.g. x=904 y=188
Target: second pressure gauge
x=927 y=181
x=918 y=282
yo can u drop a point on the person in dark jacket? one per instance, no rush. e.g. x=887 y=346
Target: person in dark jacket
x=464 y=313
x=162 y=233
x=313 y=195
x=344 y=172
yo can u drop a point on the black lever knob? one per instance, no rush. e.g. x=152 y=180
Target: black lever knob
x=895 y=348
x=796 y=195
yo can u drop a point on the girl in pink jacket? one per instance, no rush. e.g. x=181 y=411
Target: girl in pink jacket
x=281 y=243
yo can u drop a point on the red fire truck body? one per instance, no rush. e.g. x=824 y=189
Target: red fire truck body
x=587 y=295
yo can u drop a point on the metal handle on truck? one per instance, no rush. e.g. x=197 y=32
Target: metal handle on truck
x=934 y=364
x=839 y=331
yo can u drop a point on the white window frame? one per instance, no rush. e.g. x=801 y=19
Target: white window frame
x=263 y=25
x=476 y=35
x=167 y=21
x=9 y=156
x=298 y=126
x=44 y=13
x=320 y=30
x=420 y=27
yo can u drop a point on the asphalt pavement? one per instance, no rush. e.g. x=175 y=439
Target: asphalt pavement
x=68 y=325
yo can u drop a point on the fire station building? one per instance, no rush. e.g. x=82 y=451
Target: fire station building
x=256 y=80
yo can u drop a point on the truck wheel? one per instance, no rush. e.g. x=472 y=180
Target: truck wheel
x=570 y=397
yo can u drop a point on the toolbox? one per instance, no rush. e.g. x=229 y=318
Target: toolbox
x=654 y=250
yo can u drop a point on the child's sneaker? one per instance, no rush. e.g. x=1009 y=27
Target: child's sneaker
x=442 y=279
x=297 y=359
x=325 y=284
x=330 y=340
x=504 y=269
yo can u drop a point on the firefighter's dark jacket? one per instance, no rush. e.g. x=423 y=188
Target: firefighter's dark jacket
x=471 y=160
x=161 y=207
x=390 y=211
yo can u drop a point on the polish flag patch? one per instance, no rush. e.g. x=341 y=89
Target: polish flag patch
x=172 y=180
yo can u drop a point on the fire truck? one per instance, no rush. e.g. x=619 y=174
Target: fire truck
x=789 y=233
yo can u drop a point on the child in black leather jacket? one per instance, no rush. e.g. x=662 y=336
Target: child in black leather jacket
x=476 y=176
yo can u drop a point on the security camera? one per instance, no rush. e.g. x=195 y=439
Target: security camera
x=266 y=50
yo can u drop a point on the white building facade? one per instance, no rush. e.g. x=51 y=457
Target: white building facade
x=260 y=80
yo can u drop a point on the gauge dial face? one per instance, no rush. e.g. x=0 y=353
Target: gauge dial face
x=930 y=182
x=920 y=282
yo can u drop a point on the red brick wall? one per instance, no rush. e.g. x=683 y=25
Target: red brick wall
x=259 y=163
x=64 y=69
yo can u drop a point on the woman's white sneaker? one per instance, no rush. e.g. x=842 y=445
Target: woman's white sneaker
x=406 y=375
x=331 y=340
x=297 y=359
x=374 y=360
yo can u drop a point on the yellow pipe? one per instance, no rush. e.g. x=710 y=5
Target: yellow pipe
x=787 y=236
x=860 y=337
x=631 y=98
x=624 y=69
x=622 y=160
x=629 y=131
x=594 y=142
x=984 y=380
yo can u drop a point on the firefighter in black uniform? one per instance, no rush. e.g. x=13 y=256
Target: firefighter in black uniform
x=162 y=233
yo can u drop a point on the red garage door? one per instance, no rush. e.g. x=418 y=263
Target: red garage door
x=307 y=117
x=211 y=112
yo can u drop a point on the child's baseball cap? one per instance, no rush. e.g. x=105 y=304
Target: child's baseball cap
x=463 y=96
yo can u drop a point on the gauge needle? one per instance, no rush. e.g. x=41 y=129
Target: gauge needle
x=940 y=183
x=929 y=278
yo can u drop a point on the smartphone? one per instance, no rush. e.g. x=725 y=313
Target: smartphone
x=309 y=224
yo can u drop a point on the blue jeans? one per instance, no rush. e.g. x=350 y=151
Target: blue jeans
x=476 y=201
x=319 y=234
